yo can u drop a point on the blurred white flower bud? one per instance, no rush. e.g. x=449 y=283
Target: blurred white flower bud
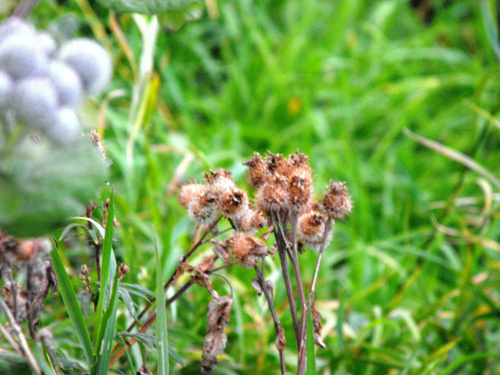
x=66 y=127
x=6 y=86
x=21 y=56
x=66 y=82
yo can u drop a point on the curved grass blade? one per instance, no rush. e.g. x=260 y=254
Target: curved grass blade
x=161 y=319
x=72 y=306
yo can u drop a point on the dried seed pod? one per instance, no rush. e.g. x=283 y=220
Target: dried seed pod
x=277 y=165
x=247 y=250
x=257 y=171
x=337 y=202
x=202 y=208
x=219 y=182
x=233 y=203
x=273 y=195
x=300 y=182
x=250 y=221
x=189 y=192
x=311 y=229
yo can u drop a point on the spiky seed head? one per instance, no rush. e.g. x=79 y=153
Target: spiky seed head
x=247 y=250
x=219 y=182
x=188 y=192
x=250 y=221
x=300 y=184
x=277 y=165
x=91 y=61
x=66 y=82
x=21 y=56
x=35 y=102
x=273 y=195
x=233 y=203
x=6 y=87
x=65 y=128
x=337 y=202
x=311 y=229
x=257 y=171
x=202 y=208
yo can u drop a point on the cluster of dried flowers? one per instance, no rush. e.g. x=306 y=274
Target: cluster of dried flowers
x=284 y=203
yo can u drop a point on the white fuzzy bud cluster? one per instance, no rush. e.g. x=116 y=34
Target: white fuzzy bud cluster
x=42 y=84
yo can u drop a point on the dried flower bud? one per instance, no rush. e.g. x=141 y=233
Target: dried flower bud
x=311 y=229
x=337 y=202
x=277 y=165
x=189 y=192
x=257 y=171
x=273 y=195
x=98 y=144
x=247 y=250
x=202 y=208
x=250 y=221
x=27 y=249
x=233 y=203
x=219 y=182
x=122 y=271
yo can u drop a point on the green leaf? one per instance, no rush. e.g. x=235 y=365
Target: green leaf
x=12 y=363
x=41 y=187
x=108 y=269
x=148 y=6
x=311 y=356
x=161 y=319
x=125 y=297
x=72 y=306
x=490 y=24
x=175 y=19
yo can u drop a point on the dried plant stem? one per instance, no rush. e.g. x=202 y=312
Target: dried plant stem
x=150 y=321
x=277 y=324
x=13 y=290
x=10 y=339
x=24 y=8
x=303 y=302
x=23 y=344
x=282 y=249
x=29 y=302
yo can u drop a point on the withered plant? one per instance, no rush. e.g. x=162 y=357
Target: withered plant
x=283 y=209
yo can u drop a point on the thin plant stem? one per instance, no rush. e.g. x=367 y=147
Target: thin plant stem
x=277 y=324
x=24 y=8
x=10 y=339
x=23 y=344
x=281 y=241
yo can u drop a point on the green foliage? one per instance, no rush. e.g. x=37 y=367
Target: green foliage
x=41 y=187
x=161 y=320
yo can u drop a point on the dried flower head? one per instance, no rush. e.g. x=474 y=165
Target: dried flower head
x=257 y=171
x=300 y=181
x=219 y=182
x=250 y=221
x=277 y=164
x=273 y=195
x=233 y=203
x=202 y=208
x=337 y=202
x=311 y=229
x=247 y=250
x=189 y=192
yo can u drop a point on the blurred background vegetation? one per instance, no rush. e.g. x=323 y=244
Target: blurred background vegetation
x=409 y=285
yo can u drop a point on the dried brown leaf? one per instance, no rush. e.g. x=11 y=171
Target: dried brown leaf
x=316 y=318
x=222 y=253
x=281 y=340
x=215 y=339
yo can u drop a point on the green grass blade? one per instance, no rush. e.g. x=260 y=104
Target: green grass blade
x=107 y=270
x=311 y=355
x=490 y=25
x=161 y=320
x=72 y=306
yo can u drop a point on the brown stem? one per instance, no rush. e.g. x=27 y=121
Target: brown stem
x=150 y=321
x=277 y=324
x=282 y=246
x=24 y=8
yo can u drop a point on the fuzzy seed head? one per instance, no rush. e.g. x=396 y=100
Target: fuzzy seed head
x=337 y=202
x=21 y=56
x=300 y=185
x=219 y=182
x=91 y=61
x=257 y=171
x=189 y=192
x=202 y=208
x=250 y=221
x=66 y=82
x=273 y=195
x=277 y=165
x=311 y=229
x=35 y=101
x=247 y=250
x=233 y=203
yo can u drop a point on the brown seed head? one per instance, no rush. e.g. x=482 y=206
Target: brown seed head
x=219 y=182
x=29 y=248
x=337 y=202
x=247 y=250
x=250 y=221
x=300 y=186
x=311 y=229
x=202 y=207
x=277 y=165
x=257 y=171
x=233 y=203
x=188 y=192
x=273 y=195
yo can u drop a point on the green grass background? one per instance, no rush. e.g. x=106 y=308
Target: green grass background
x=405 y=287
